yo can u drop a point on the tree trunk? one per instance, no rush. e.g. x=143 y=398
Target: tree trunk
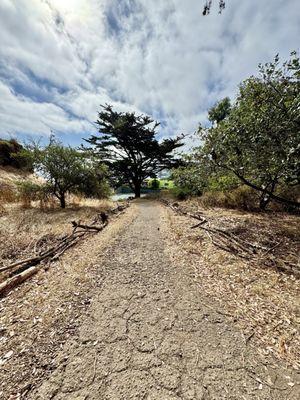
x=265 y=197
x=272 y=196
x=62 y=200
x=264 y=201
x=137 y=190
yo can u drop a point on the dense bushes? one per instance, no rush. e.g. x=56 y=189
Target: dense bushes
x=13 y=154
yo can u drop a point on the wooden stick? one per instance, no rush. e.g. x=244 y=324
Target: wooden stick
x=92 y=227
x=53 y=252
x=17 y=279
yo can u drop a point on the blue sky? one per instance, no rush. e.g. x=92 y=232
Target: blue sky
x=61 y=59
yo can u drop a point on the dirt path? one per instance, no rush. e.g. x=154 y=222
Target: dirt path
x=151 y=334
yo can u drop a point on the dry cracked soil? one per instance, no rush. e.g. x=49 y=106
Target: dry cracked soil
x=152 y=334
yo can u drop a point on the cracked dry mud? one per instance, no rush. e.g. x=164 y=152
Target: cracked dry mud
x=150 y=336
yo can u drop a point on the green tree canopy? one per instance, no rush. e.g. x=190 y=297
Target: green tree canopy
x=67 y=170
x=220 y=111
x=127 y=145
x=259 y=141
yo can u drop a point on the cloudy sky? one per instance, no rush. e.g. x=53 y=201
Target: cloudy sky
x=61 y=59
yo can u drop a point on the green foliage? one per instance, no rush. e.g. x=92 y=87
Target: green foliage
x=181 y=193
x=67 y=170
x=189 y=180
x=259 y=141
x=94 y=183
x=30 y=191
x=127 y=145
x=13 y=154
x=254 y=142
x=160 y=183
x=154 y=184
x=193 y=177
x=222 y=183
x=220 y=110
x=24 y=159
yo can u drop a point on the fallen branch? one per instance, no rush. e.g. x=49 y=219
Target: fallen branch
x=87 y=227
x=232 y=243
x=28 y=265
x=17 y=279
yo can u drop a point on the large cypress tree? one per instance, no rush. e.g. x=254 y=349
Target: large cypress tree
x=127 y=144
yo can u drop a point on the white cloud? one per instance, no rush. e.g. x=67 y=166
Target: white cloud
x=61 y=59
x=20 y=114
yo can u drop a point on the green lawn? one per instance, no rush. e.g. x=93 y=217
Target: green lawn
x=163 y=183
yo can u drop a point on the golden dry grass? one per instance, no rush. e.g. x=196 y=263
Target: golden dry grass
x=24 y=231
x=264 y=301
x=44 y=312
x=9 y=177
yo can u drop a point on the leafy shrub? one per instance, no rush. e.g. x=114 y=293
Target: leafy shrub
x=242 y=197
x=93 y=183
x=29 y=192
x=189 y=181
x=181 y=193
x=223 y=182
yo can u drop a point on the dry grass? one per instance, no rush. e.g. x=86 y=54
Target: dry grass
x=25 y=231
x=40 y=315
x=264 y=301
x=9 y=193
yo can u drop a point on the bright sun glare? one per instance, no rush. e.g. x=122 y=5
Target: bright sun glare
x=78 y=7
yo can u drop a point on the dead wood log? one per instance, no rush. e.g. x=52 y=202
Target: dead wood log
x=21 y=262
x=17 y=279
x=69 y=245
x=53 y=253
x=87 y=227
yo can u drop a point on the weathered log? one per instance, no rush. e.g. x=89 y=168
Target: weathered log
x=87 y=227
x=67 y=246
x=17 y=279
x=21 y=262
x=54 y=252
